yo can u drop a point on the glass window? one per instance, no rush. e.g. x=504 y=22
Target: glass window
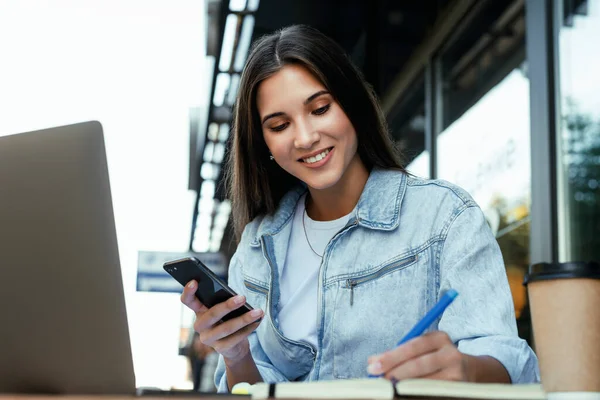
x=484 y=146
x=488 y=45
x=486 y=152
x=579 y=130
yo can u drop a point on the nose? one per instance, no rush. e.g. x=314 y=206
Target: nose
x=306 y=136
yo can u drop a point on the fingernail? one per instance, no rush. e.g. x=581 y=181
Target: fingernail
x=374 y=368
x=238 y=299
x=374 y=358
x=191 y=284
x=255 y=313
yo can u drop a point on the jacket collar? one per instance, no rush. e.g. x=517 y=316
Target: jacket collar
x=378 y=206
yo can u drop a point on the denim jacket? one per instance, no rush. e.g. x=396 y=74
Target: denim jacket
x=407 y=241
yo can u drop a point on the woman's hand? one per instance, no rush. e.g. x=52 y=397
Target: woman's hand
x=229 y=338
x=431 y=356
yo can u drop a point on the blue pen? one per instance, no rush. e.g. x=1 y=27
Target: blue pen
x=428 y=319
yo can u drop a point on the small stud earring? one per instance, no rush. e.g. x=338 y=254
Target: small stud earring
x=271 y=157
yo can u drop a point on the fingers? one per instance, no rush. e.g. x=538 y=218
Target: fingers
x=207 y=319
x=414 y=348
x=229 y=328
x=232 y=340
x=188 y=297
x=224 y=337
x=444 y=363
x=215 y=314
x=447 y=374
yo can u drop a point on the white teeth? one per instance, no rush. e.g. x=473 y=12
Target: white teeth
x=316 y=158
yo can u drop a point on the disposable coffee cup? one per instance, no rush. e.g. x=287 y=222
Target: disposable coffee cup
x=564 y=299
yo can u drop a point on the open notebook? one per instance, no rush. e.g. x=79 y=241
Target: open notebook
x=384 y=389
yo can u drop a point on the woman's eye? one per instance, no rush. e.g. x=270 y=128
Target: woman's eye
x=279 y=128
x=322 y=110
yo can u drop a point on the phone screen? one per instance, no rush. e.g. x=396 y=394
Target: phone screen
x=211 y=290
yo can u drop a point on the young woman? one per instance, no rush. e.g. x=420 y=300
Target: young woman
x=341 y=251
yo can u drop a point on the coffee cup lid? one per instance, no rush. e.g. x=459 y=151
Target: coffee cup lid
x=566 y=270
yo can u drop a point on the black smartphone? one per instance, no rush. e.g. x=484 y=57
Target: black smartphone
x=211 y=290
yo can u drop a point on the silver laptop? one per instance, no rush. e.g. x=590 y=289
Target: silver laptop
x=63 y=324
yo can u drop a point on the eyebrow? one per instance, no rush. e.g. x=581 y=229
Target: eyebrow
x=306 y=102
x=314 y=96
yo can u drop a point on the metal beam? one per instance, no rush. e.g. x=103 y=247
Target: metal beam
x=541 y=55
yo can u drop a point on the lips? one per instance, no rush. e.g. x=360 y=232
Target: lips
x=315 y=156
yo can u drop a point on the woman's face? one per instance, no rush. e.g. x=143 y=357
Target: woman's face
x=306 y=130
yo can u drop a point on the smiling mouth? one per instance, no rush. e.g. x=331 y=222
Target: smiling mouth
x=316 y=158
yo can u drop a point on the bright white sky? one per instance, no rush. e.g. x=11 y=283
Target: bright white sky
x=136 y=66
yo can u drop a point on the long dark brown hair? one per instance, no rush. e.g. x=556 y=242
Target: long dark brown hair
x=255 y=183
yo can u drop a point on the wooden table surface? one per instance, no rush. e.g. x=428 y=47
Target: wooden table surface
x=118 y=397
x=92 y=397
x=152 y=397
x=100 y=397
x=156 y=397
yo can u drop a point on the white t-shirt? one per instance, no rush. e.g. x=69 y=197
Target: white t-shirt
x=299 y=275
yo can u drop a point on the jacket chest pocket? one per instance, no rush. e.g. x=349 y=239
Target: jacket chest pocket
x=387 y=268
x=374 y=309
x=257 y=293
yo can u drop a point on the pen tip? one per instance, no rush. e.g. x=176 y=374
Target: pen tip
x=451 y=293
